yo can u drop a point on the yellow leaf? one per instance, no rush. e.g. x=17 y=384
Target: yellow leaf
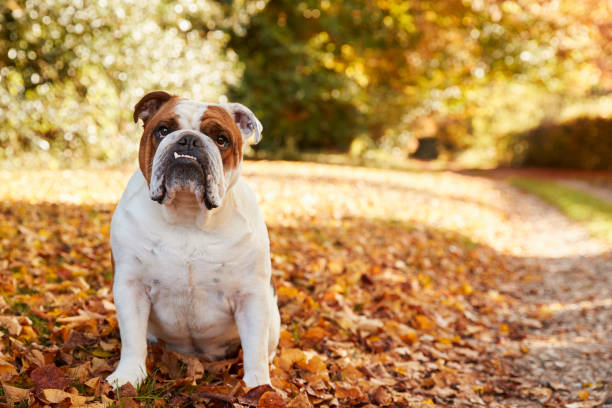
x=315 y=365
x=287 y=292
x=290 y=356
x=583 y=395
x=27 y=334
x=466 y=289
x=423 y=322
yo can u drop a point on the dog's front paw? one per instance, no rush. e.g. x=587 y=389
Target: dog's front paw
x=134 y=374
x=255 y=379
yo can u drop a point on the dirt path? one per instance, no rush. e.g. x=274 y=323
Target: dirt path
x=566 y=317
x=564 y=321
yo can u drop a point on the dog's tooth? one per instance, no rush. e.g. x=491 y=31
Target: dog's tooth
x=176 y=155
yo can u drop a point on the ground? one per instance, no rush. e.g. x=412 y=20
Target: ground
x=395 y=289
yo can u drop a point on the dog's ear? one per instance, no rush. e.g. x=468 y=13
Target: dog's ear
x=149 y=104
x=249 y=125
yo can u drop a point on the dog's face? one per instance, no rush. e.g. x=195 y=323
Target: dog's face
x=191 y=146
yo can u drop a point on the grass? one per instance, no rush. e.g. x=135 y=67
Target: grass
x=594 y=213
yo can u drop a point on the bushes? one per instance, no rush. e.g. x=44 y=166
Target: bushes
x=70 y=73
x=584 y=143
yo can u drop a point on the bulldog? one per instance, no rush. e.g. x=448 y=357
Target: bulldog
x=190 y=249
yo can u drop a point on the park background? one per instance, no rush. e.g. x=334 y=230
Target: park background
x=480 y=83
x=434 y=175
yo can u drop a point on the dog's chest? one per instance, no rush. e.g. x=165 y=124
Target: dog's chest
x=193 y=283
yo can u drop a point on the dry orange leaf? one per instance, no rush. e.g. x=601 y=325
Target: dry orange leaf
x=314 y=334
x=7 y=370
x=348 y=392
x=423 y=322
x=288 y=357
x=271 y=399
x=300 y=401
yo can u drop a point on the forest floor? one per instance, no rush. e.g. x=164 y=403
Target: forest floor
x=395 y=289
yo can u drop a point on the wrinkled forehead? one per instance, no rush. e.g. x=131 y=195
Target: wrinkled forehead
x=189 y=113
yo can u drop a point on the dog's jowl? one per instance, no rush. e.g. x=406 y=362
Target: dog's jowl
x=190 y=247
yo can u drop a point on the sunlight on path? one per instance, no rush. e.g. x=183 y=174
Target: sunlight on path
x=486 y=211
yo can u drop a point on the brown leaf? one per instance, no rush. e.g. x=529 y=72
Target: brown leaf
x=348 y=392
x=11 y=323
x=49 y=376
x=300 y=401
x=382 y=396
x=80 y=372
x=36 y=357
x=542 y=394
x=127 y=390
x=15 y=394
x=7 y=370
x=313 y=336
x=99 y=366
x=129 y=403
x=179 y=401
x=255 y=393
x=160 y=403
x=55 y=396
x=271 y=399
x=78 y=339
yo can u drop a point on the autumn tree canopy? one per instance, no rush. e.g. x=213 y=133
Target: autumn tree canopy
x=320 y=74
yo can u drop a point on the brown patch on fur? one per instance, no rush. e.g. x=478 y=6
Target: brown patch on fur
x=216 y=121
x=148 y=142
x=149 y=104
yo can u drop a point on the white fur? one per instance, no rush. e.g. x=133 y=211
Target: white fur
x=194 y=278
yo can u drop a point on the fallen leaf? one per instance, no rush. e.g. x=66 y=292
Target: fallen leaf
x=49 y=376
x=15 y=394
x=127 y=390
x=271 y=399
x=55 y=396
x=7 y=370
x=300 y=401
x=11 y=323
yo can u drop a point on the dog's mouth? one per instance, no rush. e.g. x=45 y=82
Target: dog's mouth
x=199 y=173
x=178 y=155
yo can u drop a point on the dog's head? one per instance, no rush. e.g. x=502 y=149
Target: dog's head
x=191 y=146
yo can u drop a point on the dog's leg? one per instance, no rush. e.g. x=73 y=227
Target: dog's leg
x=133 y=307
x=253 y=320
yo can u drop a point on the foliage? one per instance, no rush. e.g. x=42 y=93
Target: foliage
x=596 y=214
x=321 y=74
x=71 y=71
x=389 y=66
x=584 y=140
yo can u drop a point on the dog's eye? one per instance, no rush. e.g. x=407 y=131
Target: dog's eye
x=162 y=131
x=221 y=140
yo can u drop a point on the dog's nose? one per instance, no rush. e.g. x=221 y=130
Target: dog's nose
x=190 y=141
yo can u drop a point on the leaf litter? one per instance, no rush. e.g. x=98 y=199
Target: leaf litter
x=395 y=289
